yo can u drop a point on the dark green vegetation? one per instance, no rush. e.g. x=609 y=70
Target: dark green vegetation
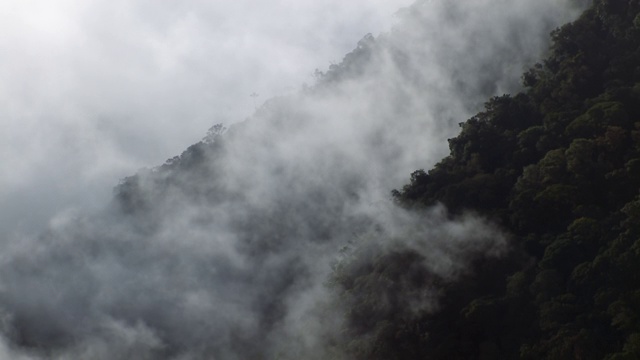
x=558 y=168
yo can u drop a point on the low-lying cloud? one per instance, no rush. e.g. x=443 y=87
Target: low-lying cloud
x=92 y=91
x=225 y=252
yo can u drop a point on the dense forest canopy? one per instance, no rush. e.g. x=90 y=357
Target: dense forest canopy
x=557 y=167
x=273 y=239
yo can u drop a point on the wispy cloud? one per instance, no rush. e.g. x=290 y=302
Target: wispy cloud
x=228 y=254
x=92 y=91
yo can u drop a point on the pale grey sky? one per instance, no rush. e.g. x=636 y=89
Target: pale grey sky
x=91 y=91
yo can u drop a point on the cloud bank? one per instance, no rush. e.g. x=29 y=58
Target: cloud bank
x=92 y=91
x=224 y=252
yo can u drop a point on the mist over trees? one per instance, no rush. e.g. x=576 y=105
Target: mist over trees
x=278 y=238
x=555 y=166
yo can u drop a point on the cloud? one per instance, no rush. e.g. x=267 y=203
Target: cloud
x=92 y=91
x=226 y=251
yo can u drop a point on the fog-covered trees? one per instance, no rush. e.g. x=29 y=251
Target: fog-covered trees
x=557 y=167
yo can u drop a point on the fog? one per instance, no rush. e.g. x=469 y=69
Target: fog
x=90 y=92
x=226 y=251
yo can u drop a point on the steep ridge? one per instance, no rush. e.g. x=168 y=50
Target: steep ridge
x=277 y=238
x=557 y=167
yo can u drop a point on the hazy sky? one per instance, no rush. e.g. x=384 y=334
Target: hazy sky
x=91 y=91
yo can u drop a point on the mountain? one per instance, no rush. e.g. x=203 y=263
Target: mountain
x=278 y=238
x=556 y=166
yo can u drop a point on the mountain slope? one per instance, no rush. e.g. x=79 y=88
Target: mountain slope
x=259 y=242
x=557 y=167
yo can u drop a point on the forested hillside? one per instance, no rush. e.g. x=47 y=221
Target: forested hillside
x=558 y=167
x=280 y=237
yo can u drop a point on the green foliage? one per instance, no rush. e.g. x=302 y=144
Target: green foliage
x=559 y=167
x=385 y=295
x=597 y=119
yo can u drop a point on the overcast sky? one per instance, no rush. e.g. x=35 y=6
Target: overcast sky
x=91 y=91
